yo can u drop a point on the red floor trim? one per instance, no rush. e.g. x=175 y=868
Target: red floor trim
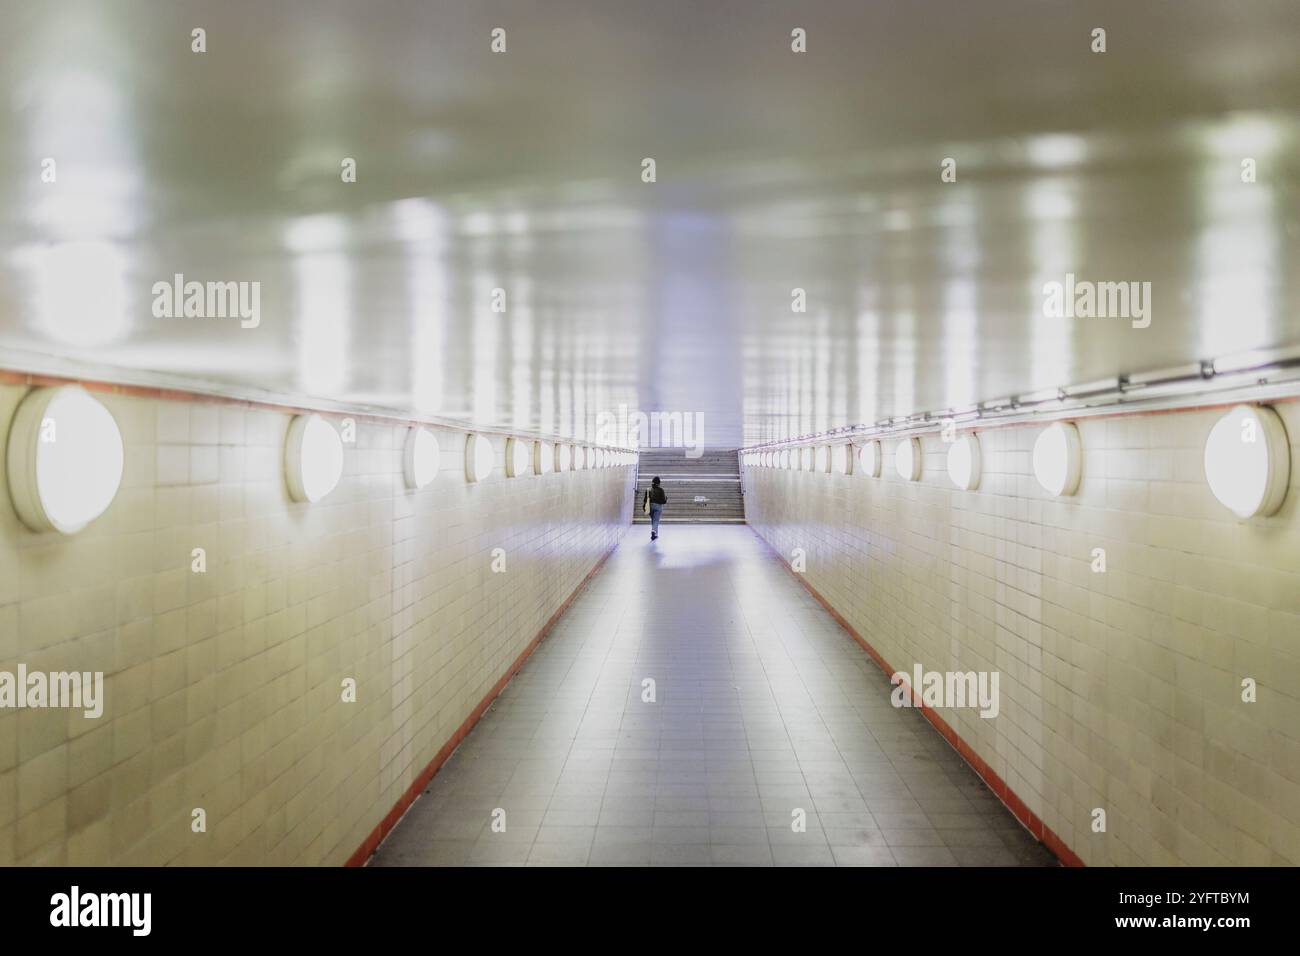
x=371 y=843
x=1040 y=830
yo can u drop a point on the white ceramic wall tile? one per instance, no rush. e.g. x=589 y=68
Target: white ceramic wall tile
x=1119 y=690
x=223 y=689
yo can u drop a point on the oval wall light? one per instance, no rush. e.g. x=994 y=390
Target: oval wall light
x=564 y=457
x=313 y=458
x=907 y=459
x=964 y=462
x=1058 y=458
x=64 y=459
x=519 y=457
x=841 y=460
x=1248 y=461
x=869 y=459
x=419 y=457
x=478 y=457
x=543 y=457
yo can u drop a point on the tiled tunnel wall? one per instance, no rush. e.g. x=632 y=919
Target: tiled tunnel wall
x=1120 y=690
x=224 y=688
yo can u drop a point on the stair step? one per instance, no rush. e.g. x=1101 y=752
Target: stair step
x=713 y=476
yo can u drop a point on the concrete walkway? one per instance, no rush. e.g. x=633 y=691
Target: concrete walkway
x=764 y=713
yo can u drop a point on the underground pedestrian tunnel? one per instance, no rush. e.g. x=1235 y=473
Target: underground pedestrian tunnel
x=340 y=345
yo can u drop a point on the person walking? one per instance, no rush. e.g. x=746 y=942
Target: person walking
x=655 y=499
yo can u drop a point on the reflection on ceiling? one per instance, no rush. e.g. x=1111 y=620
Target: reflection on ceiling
x=799 y=262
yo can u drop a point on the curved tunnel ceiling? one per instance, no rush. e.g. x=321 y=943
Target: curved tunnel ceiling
x=522 y=172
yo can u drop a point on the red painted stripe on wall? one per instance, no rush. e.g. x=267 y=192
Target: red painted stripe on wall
x=1018 y=807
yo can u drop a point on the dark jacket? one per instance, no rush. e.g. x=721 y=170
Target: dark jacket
x=657 y=496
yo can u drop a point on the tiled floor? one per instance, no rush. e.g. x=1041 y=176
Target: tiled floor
x=762 y=707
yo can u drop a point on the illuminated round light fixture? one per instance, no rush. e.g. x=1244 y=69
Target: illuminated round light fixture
x=64 y=459
x=478 y=457
x=907 y=459
x=1058 y=458
x=964 y=462
x=841 y=460
x=543 y=457
x=869 y=459
x=1248 y=461
x=419 y=457
x=564 y=457
x=313 y=458
x=519 y=457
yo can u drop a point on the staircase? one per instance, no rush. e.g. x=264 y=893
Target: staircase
x=714 y=478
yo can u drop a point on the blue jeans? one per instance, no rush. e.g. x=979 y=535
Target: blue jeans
x=655 y=512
